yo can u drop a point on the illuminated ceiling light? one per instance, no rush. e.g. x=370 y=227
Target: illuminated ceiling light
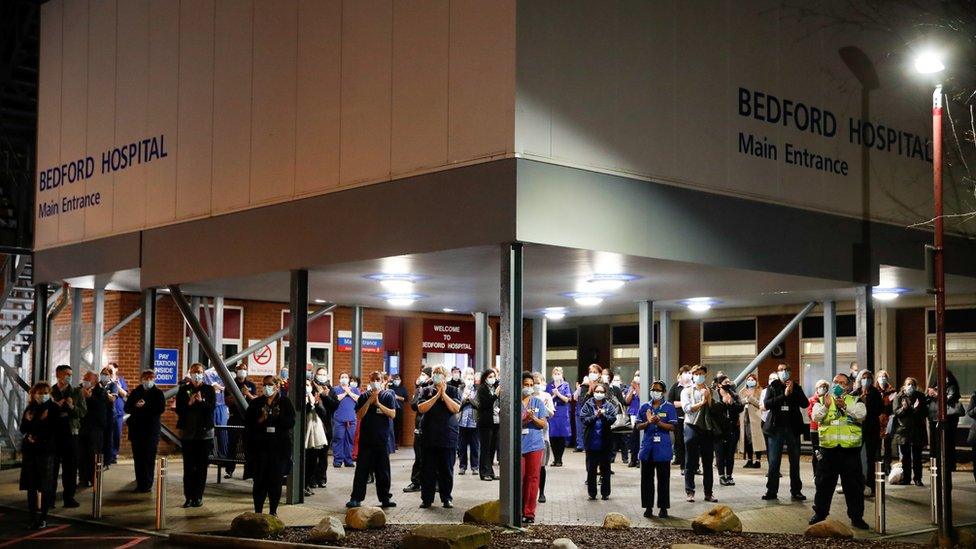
x=320 y=301
x=607 y=282
x=447 y=310
x=400 y=301
x=699 y=304
x=929 y=62
x=555 y=315
x=398 y=286
x=588 y=300
x=384 y=277
x=887 y=294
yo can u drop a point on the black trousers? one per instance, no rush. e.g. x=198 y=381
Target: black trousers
x=598 y=461
x=144 y=458
x=662 y=471
x=635 y=437
x=699 y=447
x=951 y=425
x=911 y=462
x=269 y=471
x=846 y=464
x=815 y=442
x=196 y=454
x=872 y=453
x=620 y=443
x=90 y=444
x=66 y=461
x=372 y=460
x=234 y=438
x=725 y=453
x=486 y=457
x=437 y=473
x=316 y=466
x=38 y=502
x=558 y=445
x=417 y=471
x=887 y=453
x=678 y=443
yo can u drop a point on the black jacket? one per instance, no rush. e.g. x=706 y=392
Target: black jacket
x=726 y=416
x=486 y=399
x=785 y=411
x=909 y=419
x=269 y=426
x=143 y=420
x=195 y=420
x=874 y=404
x=99 y=411
x=953 y=409
x=971 y=412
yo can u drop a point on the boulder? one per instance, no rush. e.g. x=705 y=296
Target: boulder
x=829 y=528
x=447 y=536
x=328 y=529
x=563 y=543
x=483 y=513
x=616 y=521
x=256 y=526
x=365 y=518
x=719 y=519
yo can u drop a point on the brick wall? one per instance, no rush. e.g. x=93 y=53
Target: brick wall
x=689 y=342
x=910 y=342
x=767 y=327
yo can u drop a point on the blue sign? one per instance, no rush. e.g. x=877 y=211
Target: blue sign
x=166 y=363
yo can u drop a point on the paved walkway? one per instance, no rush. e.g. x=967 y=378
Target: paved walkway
x=907 y=506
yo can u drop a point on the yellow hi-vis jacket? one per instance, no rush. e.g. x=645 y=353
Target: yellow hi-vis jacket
x=840 y=428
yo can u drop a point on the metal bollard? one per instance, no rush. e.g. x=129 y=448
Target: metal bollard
x=879 y=502
x=934 y=468
x=161 y=493
x=97 y=488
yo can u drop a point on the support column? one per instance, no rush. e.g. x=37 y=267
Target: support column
x=147 y=330
x=864 y=321
x=357 y=343
x=98 y=328
x=298 y=343
x=74 y=350
x=830 y=338
x=193 y=353
x=539 y=345
x=510 y=450
x=482 y=342
x=218 y=324
x=645 y=325
x=39 y=358
x=665 y=349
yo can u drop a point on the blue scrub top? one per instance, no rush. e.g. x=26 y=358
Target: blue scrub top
x=532 y=436
x=211 y=377
x=347 y=406
x=656 y=444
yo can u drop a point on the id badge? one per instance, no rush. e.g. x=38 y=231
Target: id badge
x=525 y=431
x=269 y=430
x=656 y=439
x=785 y=408
x=378 y=411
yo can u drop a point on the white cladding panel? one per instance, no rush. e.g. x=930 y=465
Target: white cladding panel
x=208 y=106
x=652 y=90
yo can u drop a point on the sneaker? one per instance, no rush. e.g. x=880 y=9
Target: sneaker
x=798 y=497
x=816 y=518
x=448 y=505
x=462 y=471
x=690 y=498
x=411 y=488
x=605 y=498
x=770 y=497
x=711 y=499
x=187 y=504
x=197 y=503
x=730 y=481
x=387 y=504
x=542 y=498
x=352 y=504
x=860 y=524
x=39 y=525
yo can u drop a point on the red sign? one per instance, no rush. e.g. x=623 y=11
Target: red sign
x=449 y=336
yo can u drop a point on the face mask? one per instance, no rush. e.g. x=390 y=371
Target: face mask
x=455 y=376
x=909 y=389
x=616 y=382
x=686 y=378
x=269 y=390
x=241 y=374
x=605 y=378
x=396 y=382
x=63 y=380
x=105 y=378
x=438 y=379
x=557 y=379
x=656 y=395
x=491 y=380
x=469 y=382
x=284 y=374
x=377 y=385
x=528 y=391
x=865 y=382
x=838 y=389
x=750 y=383
x=637 y=380
x=822 y=391
x=783 y=375
x=148 y=384
x=699 y=379
x=883 y=381
x=537 y=388
x=354 y=384
x=422 y=379
x=344 y=381
x=599 y=396
x=321 y=379
x=197 y=377
x=594 y=376
x=86 y=384
x=44 y=398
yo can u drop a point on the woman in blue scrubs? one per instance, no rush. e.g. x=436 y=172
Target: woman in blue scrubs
x=656 y=419
x=344 y=422
x=559 y=427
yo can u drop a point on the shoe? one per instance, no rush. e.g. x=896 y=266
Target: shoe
x=411 y=488
x=730 y=481
x=39 y=525
x=919 y=483
x=197 y=503
x=187 y=504
x=424 y=505
x=448 y=505
x=592 y=498
x=577 y=450
x=352 y=504
x=605 y=498
x=320 y=485
x=663 y=513
x=308 y=492
x=612 y=472
x=528 y=520
x=633 y=464
x=71 y=504
x=648 y=513
x=860 y=524
x=387 y=504
x=486 y=478
x=770 y=497
x=816 y=518
x=711 y=499
x=690 y=498
x=542 y=498
x=338 y=466
x=462 y=471
x=722 y=481
x=350 y=464
x=798 y=497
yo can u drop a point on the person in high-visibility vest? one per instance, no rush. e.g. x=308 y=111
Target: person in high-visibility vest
x=839 y=415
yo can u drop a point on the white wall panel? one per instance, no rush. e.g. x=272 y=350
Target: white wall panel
x=317 y=136
x=194 y=168
x=364 y=148
x=101 y=108
x=49 y=119
x=74 y=110
x=163 y=108
x=420 y=75
x=131 y=103
x=232 y=104
x=273 y=100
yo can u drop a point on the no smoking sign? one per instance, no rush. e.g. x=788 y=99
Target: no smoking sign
x=264 y=361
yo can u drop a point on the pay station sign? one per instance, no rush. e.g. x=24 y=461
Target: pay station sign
x=166 y=364
x=449 y=336
x=264 y=361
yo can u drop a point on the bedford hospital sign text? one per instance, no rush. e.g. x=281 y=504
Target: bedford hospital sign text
x=819 y=121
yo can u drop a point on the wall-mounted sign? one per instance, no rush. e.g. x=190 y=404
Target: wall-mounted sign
x=449 y=336
x=372 y=341
x=264 y=361
x=166 y=364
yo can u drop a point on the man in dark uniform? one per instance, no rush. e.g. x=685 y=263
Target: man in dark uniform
x=195 y=404
x=145 y=405
x=786 y=404
x=92 y=433
x=236 y=418
x=440 y=403
x=416 y=475
x=375 y=408
x=71 y=403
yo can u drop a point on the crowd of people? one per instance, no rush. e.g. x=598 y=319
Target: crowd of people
x=858 y=422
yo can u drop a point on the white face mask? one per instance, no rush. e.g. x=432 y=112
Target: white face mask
x=822 y=391
x=344 y=381
x=594 y=376
x=197 y=378
x=105 y=378
x=241 y=374
x=469 y=381
x=148 y=384
x=616 y=382
x=537 y=388
x=605 y=378
x=656 y=395
x=599 y=396
x=421 y=379
x=491 y=380
x=882 y=380
x=396 y=382
x=377 y=385
x=686 y=378
x=455 y=376
x=354 y=384
x=909 y=389
x=557 y=379
x=321 y=379
x=865 y=382
x=269 y=390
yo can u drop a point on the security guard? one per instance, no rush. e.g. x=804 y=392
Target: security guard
x=840 y=415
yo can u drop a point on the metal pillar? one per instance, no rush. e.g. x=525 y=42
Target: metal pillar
x=539 y=344
x=74 y=351
x=148 y=330
x=298 y=342
x=645 y=324
x=357 y=342
x=482 y=342
x=193 y=354
x=510 y=450
x=830 y=337
x=39 y=358
x=665 y=361
x=208 y=347
x=790 y=326
x=864 y=321
x=98 y=328
x=218 y=324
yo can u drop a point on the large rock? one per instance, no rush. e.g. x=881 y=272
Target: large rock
x=328 y=529
x=483 y=513
x=616 y=521
x=719 y=519
x=365 y=518
x=563 y=543
x=256 y=526
x=829 y=528
x=447 y=536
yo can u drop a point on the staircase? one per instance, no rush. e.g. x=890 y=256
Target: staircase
x=16 y=304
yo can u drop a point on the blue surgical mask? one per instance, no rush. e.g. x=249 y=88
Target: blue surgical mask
x=599 y=396
x=750 y=383
x=699 y=378
x=528 y=391
x=343 y=381
x=105 y=378
x=148 y=384
x=321 y=379
x=269 y=390
x=783 y=375
x=45 y=397
x=438 y=379
x=197 y=377
x=284 y=373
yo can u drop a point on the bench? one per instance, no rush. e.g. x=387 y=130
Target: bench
x=228 y=447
